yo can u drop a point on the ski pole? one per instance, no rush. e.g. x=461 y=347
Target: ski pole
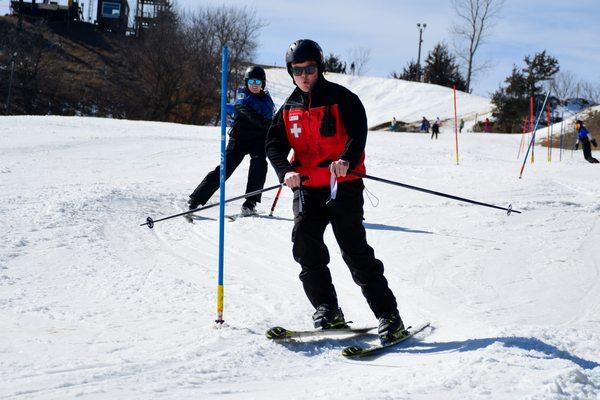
x=150 y=222
x=404 y=185
x=290 y=156
x=275 y=200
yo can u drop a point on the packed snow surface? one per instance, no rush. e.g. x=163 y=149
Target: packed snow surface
x=95 y=306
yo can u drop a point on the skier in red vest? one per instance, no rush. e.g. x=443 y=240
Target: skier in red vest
x=326 y=126
x=487 y=126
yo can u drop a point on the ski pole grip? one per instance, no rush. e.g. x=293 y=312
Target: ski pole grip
x=301 y=200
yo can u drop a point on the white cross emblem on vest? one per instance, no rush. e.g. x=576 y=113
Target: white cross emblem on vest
x=296 y=130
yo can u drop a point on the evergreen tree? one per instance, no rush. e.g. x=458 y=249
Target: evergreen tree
x=441 y=68
x=511 y=102
x=409 y=73
x=334 y=63
x=540 y=68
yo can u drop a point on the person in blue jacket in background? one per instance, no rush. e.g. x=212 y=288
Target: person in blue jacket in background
x=584 y=137
x=424 y=125
x=252 y=115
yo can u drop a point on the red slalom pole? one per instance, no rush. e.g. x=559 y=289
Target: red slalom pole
x=532 y=142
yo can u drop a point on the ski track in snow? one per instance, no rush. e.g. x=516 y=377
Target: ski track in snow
x=95 y=306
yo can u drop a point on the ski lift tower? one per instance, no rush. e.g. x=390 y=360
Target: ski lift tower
x=147 y=11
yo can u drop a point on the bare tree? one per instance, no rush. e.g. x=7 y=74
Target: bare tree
x=178 y=62
x=564 y=85
x=160 y=61
x=589 y=91
x=36 y=75
x=211 y=28
x=475 y=20
x=359 y=57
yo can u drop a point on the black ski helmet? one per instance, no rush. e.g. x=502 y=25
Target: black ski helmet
x=304 y=50
x=255 y=72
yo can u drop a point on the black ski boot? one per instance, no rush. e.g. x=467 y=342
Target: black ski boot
x=391 y=328
x=248 y=208
x=329 y=317
x=193 y=203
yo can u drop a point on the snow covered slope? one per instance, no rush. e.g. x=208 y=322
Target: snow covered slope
x=94 y=306
x=387 y=98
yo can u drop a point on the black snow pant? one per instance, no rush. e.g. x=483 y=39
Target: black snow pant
x=345 y=214
x=587 y=150
x=234 y=154
x=435 y=132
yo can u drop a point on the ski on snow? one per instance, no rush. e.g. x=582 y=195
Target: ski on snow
x=233 y=217
x=279 y=333
x=357 y=351
x=192 y=217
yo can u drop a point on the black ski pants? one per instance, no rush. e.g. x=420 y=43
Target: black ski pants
x=587 y=150
x=345 y=214
x=234 y=154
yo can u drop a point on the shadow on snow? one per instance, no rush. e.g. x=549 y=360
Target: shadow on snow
x=415 y=346
x=524 y=343
x=383 y=227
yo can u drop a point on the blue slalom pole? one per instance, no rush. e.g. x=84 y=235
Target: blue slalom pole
x=532 y=143
x=222 y=178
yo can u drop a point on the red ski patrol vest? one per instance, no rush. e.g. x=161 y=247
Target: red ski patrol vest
x=313 y=149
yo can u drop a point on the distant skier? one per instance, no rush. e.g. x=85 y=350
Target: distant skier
x=584 y=137
x=394 y=125
x=424 y=125
x=252 y=115
x=326 y=126
x=487 y=126
x=461 y=125
x=435 y=128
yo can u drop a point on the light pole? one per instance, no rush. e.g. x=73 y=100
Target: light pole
x=10 y=83
x=420 y=27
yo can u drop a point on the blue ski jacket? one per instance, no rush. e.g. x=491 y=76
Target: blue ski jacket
x=583 y=132
x=252 y=114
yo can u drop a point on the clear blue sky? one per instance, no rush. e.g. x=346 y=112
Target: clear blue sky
x=568 y=30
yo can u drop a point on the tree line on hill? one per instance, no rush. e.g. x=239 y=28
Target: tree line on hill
x=172 y=72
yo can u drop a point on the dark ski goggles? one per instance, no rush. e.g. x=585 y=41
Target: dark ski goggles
x=255 y=82
x=308 y=70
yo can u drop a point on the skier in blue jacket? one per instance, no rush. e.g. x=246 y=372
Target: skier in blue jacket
x=584 y=137
x=252 y=114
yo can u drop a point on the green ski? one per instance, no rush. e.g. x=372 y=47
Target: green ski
x=279 y=333
x=357 y=351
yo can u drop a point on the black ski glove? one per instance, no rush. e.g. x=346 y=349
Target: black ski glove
x=593 y=141
x=576 y=146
